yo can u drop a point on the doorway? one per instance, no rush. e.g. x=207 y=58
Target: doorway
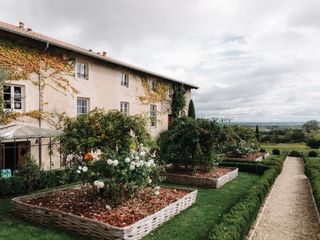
x=13 y=153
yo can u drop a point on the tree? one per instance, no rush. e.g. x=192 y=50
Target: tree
x=312 y=125
x=258 y=133
x=191 y=111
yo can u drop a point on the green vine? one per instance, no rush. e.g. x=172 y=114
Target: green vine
x=18 y=62
x=178 y=100
x=159 y=95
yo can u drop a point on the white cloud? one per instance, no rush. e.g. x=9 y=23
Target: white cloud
x=253 y=60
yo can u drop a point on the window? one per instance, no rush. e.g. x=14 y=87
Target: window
x=12 y=97
x=124 y=108
x=171 y=91
x=125 y=80
x=153 y=115
x=82 y=70
x=82 y=106
x=153 y=85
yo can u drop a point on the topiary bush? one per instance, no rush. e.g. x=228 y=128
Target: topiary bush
x=312 y=154
x=295 y=153
x=312 y=168
x=276 y=151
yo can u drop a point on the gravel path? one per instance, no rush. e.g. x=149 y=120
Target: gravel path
x=289 y=212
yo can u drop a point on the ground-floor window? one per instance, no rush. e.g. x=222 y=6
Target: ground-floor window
x=82 y=106
x=124 y=108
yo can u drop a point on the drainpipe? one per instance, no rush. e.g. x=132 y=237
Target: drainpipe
x=40 y=106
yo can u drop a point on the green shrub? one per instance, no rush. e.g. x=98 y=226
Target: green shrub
x=312 y=168
x=314 y=141
x=18 y=185
x=121 y=178
x=191 y=143
x=295 y=153
x=262 y=150
x=5 y=186
x=29 y=170
x=237 y=222
x=112 y=132
x=276 y=151
x=312 y=154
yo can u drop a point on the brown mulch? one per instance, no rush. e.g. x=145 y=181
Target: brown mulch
x=78 y=202
x=251 y=157
x=215 y=173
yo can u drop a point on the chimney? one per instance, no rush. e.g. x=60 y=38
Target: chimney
x=29 y=29
x=98 y=53
x=104 y=54
x=21 y=25
x=90 y=50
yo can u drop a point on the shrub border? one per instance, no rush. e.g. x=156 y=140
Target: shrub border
x=238 y=221
x=313 y=175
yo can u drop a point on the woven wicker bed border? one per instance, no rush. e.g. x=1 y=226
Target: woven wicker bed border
x=202 y=181
x=92 y=228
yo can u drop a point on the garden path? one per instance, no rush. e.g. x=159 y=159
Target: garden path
x=289 y=212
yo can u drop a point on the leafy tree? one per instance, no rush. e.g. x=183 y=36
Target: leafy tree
x=191 y=110
x=112 y=132
x=192 y=143
x=312 y=125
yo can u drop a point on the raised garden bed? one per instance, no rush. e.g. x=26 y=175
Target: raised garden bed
x=215 y=179
x=70 y=210
x=256 y=157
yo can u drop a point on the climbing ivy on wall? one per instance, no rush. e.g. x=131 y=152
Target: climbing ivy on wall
x=178 y=100
x=159 y=95
x=18 y=62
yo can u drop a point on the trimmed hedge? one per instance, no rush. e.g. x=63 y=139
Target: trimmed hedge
x=15 y=185
x=312 y=169
x=236 y=224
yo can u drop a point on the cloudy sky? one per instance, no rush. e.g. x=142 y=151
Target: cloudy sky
x=253 y=60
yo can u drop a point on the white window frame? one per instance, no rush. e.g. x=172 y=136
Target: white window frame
x=12 y=98
x=85 y=74
x=152 y=83
x=153 y=116
x=125 y=78
x=125 y=107
x=79 y=113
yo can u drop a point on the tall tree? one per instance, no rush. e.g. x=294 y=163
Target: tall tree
x=312 y=125
x=191 y=110
x=258 y=133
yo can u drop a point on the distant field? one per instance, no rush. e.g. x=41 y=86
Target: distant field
x=302 y=147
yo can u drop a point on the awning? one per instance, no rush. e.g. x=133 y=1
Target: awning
x=24 y=132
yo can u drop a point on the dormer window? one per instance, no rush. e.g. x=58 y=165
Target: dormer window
x=125 y=80
x=82 y=70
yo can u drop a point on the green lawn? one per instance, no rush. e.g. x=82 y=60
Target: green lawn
x=301 y=147
x=194 y=223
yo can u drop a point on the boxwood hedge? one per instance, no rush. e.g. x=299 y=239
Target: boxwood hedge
x=236 y=224
x=15 y=185
x=312 y=169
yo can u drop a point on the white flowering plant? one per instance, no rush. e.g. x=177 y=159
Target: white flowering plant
x=121 y=177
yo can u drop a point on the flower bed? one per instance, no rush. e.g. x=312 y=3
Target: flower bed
x=131 y=220
x=256 y=157
x=215 y=179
